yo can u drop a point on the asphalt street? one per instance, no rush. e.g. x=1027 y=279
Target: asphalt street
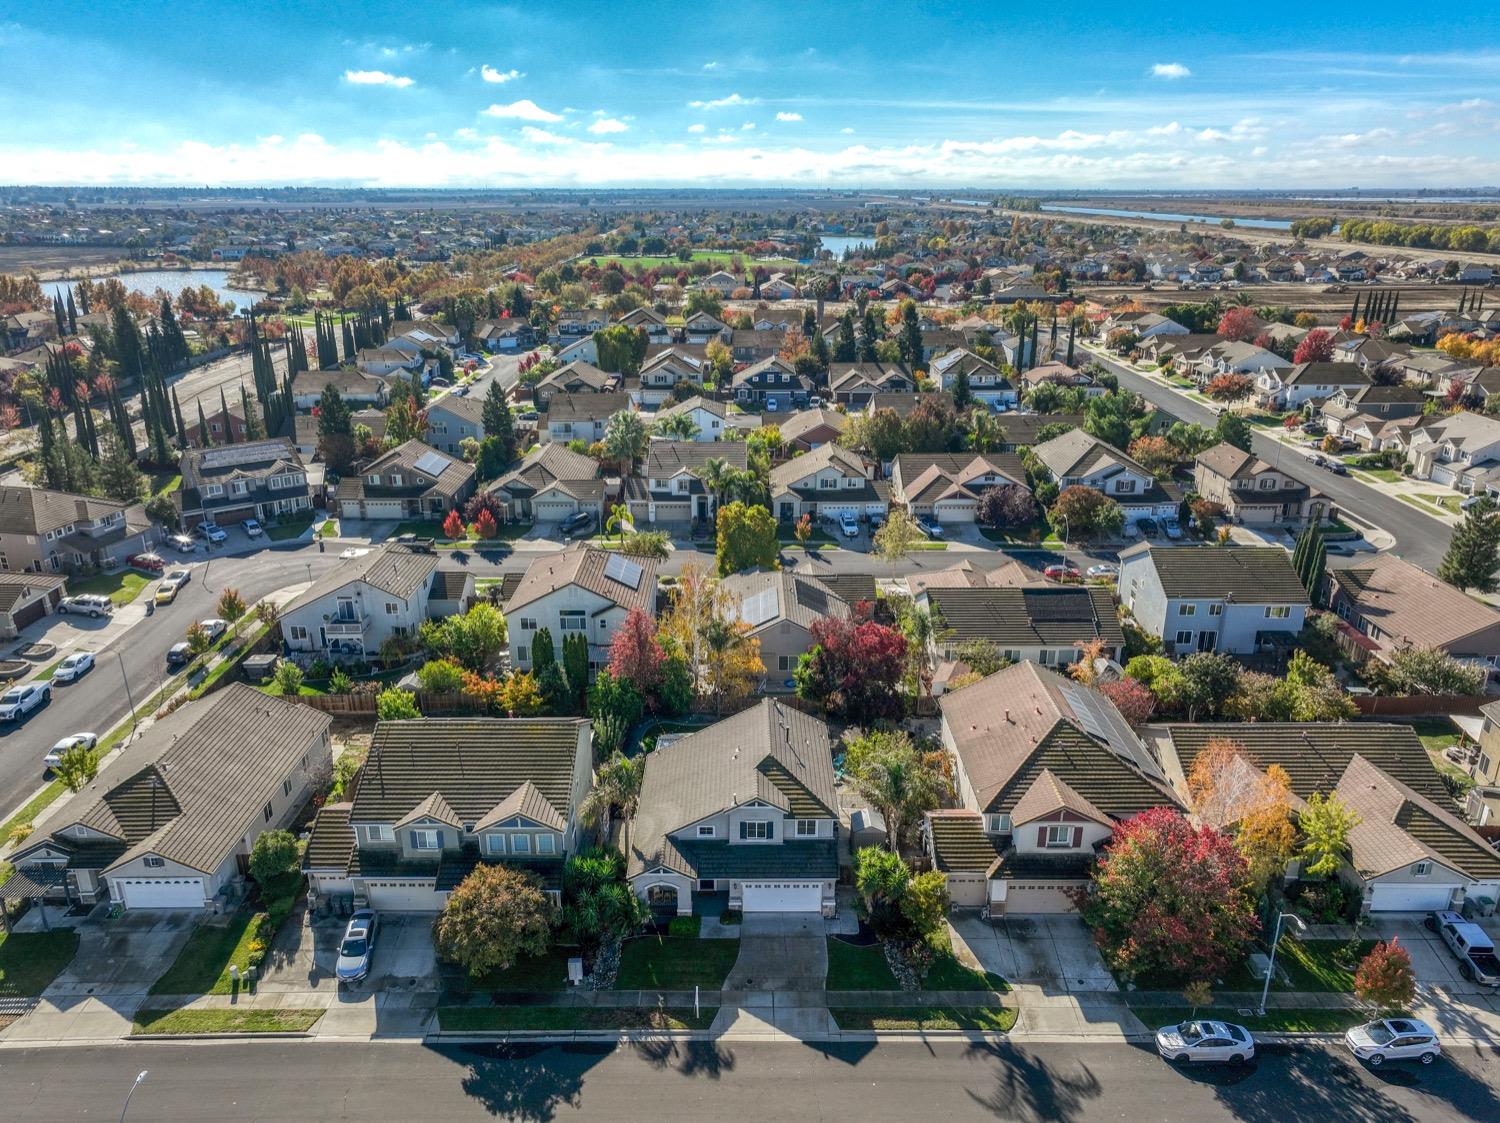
x=1420 y=539
x=691 y=1081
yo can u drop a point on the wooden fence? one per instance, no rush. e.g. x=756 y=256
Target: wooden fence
x=365 y=703
x=1420 y=705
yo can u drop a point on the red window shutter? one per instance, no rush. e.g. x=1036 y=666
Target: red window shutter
x=1077 y=836
x=1041 y=836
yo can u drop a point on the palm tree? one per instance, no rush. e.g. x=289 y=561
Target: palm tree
x=916 y=625
x=898 y=783
x=678 y=426
x=617 y=785
x=619 y=518
x=625 y=438
x=716 y=476
x=985 y=433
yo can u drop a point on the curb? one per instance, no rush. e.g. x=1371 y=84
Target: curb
x=133 y=1038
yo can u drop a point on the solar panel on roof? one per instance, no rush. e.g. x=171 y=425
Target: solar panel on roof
x=232 y=456
x=760 y=607
x=623 y=570
x=433 y=463
x=1069 y=604
x=1101 y=720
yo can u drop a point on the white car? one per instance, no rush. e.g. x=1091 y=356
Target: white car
x=72 y=741
x=850 y=526
x=183 y=543
x=252 y=528
x=353 y=552
x=19 y=701
x=357 y=947
x=1102 y=570
x=1393 y=1039
x=214 y=626
x=1205 y=1041
x=211 y=532
x=86 y=604
x=75 y=666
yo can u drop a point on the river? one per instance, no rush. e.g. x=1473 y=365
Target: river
x=1168 y=216
x=173 y=281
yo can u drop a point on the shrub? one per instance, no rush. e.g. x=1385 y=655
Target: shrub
x=288 y=678
x=683 y=927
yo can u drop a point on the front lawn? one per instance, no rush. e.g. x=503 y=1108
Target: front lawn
x=947 y=973
x=533 y=973
x=46 y=673
x=329 y=529
x=121 y=588
x=858 y=968
x=482 y=1019
x=223 y=1020
x=1384 y=475
x=29 y=961
x=1317 y=1020
x=202 y=966
x=1315 y=965
x=675 y=963
x=294 y=528
x=993 y=1019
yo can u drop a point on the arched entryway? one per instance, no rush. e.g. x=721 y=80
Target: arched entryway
x=662 y=900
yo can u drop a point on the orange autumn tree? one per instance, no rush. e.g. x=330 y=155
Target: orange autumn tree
x=1227 y=791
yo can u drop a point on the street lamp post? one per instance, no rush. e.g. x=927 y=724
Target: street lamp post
x=1271 y=966
x=1065 y=530
x=128 y=697
x=139 y=1077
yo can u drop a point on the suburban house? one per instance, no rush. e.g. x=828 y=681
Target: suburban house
x=662 y=372
x=580 y=321
x=1236 y=599
x=707 y=414
x=649 y=320
x=1254 y=493
x=1410 y=852
x=581 y=417
x=771 y=385
x=26 y=598
x=1307 y=382
x=451 y=420
x=504 y=335
x=746 y=345
x=827 y=483
x=351 y=611
x=43 y=530
x=355 y=387
x=439 y=796
x=1045 y=623
x=224 y=425
x=1020 y=430
x=854 y=384
x=947 y=485
x=747 y=808
x=1459 y=449
x=721 y=282
x=1389 y=604
x=1044 y=767
x=1076 y=457
x=411 y=481
x=427 y=333
x=577 y=377
x=1230 y=356
x=700 y=327
x=670 y=489
x=986 y=382
x=261 y=480
x=1059 y=373
x=379 y=363
x=170 y=822
x=550 y=483
x=1482 y=805
x=780 y=608
x=581 y=590
x=1365 y=416
x=809 y=428
x=1145 y=325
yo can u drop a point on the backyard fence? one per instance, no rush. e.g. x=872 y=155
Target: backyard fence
x=1419 y=705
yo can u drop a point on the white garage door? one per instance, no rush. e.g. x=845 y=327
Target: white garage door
x=553 y=511
x=837 y=510
x=966 y=890
x=953 y=512
x=161 y=892
x=782 y=896
x=404 y=896
x=382 y=509
x=1410 y=898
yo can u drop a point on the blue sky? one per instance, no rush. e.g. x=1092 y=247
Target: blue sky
x=731 y=94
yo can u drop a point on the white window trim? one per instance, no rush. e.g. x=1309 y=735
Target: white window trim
x=1065 y=841
x=421 y=838
x=520 y=844
x=546 y=844
x=806 y=823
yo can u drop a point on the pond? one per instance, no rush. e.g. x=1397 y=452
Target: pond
x=173 y=281
x=836 y=244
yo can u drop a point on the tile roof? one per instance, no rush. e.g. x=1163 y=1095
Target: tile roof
x=852 y=587
x=545 y=465
x=805 y=421
x=585 y=407
x=1399 y=826
x=331 y=841
x=1245 y=574
x=767 y=597
x=16 y=588
x=586 y=567
x=1411 y=604
x=665 y=459
x=1046 y=616
x=36 y=510
x=959 y=844
x=452 y=474
x=846 y=463
x=718 y=409
x=1049 y=793
x=1076 y=453
x=397 y=568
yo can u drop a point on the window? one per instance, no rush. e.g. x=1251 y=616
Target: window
x=528 y=624
x=523 y=654
x=706 y=830
x=1268 y=483
x=299 y=633
x=154 y=861
x=426 y=840
x=286 y=787
x=1187 y=610
x=1184 y=637
x=546 y=844
x=1216 y=610
x=213 y=489
x=391 y=608
x=1484 y=764
x=520 y=844
x=379 y=832
x=267 y=811
x=494 y=843
x=756 y=829
x=787 y=662
x=1421 y=869
x=807 y=828
x=395 y=479
x=996 y=824
x=572 y=620
x=1278 y=611
x=1124 y=487
x=706 y=885
x=1058 y=836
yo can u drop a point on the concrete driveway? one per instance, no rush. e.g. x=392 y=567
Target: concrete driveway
x=1431 y=961
x=125 y=955
x=303 y=956
x=1053 y=952
x=781 y=952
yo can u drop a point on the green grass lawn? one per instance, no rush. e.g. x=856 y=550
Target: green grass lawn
x=46 y=673
x=329 y=528
x=33 y=807
x=1448 y=503
x=858 y=968
x=716 y=258
x=432 y=528
x=1435 y=733
x=1384 y=475
x=995 y=1019
x=1315 y=965
x=121 y=588
x=151 y=1022
x=675 y=963
x=202 y=966
x=481 y=1019
x=295 y=528
x=1275 y=1021
x=29 y=961
x=947 y=973
x=531 y=974
x=165 y=483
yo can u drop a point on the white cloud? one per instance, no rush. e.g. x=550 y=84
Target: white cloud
x=784 y=116
x=608 y=125
x=747 y=126
x=542 y=136
x=721 y=138
x=847 y=131
x=1170 y=70
x=499 y=77
x=697 y=128
x=376 y=78
x=724 y=102
x=466 y=134
x=714 y=65
x=523 y=110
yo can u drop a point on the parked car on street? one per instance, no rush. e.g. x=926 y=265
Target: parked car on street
x=74 y=667
x=72 y=741
x=1103 y=570
x=86 y=604
x=253 y=528
x=151 y=563
x=357 y=947
x=19 y=701
x=1337 y=467
x=1471 y=946
x=214 y=627
x=353 y=552
x=171 y=585
x=179 y=653
x=1062 y=573
x=849 y=524
x=1393 y=1039
x=1222 y=1042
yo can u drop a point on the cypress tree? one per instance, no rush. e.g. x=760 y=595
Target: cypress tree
x=59 y=315
x=204 y=439
x=1072 y=328
x=1474 y=552
x=177 y=417
x=228 y=421
x=349 y=347
x=53 y=471
x=1354 y=315
x=254 y=430
x=72 y=315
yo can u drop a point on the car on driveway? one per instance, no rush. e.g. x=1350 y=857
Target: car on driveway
x=86 y=604
x=151 y=563
x=72 y=741
x=171 y=585
x=210 y=532
x=576 y=525
x=931 y=527
x=1063 y=572
x=1221 y=1042
x=1393 y=1039
x=183 y=543
x=357 y=947
x=353 y=552
x=253 y=528
x=1103 y=570
x=1471 y=946
x=75 y=666
x=19 y=701
x=1474 y=501
x=849 y=524
x=1174 y=528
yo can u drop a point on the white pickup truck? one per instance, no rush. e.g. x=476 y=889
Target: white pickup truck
x=1471 y=946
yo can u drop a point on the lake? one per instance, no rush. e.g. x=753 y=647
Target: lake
x=173 y=281
x=1168 y=216
x=836 y=244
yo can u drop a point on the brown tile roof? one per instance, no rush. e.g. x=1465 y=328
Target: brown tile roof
x=332 y=839
x=397 y=568
x=587 y=568
x=1399 y=826
x=959 y=844
x=1412 y=605
x=1049 y=793
x=585 y=407
x=35 y=510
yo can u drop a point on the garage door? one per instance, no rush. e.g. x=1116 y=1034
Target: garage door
x=1027 y=898
x=554 y=511
x=403 y=896
x=837 y=510
x=383 y=509
x=161 y=892
x=953 y=512
x=1410 y=898
x=673 y=512
x=29 y=614
x=966 y=890
x=782 y=896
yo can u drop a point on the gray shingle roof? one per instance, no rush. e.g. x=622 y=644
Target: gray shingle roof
x=665 y=459
x=767 y=597
x=586 y=568
x=1249 y=574
x=1076 y=453
x=585 y=407
x=35 y=510
x=397 y=568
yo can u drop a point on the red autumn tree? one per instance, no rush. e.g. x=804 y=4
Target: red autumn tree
x=635 y=655
x=1385 y=979
x=1316 y=347
x=1229 y=387
x=485 y=525
x=1168 y=901
x=1135 y=702
x=453 y=525
x=854 y=668
x=1238 y=323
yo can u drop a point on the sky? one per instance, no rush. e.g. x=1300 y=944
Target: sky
x=809 y=94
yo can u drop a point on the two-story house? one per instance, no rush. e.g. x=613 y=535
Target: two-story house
x=438 y=797
x=261 y=480
x=771 y=385
x=579 y=590
x=670 y=491
x=352 y=610
x=827 y=483
x=356 y=388
x=1254 y=493
x=1307 y=382
x=721 y=282
x=854 y=384
x=1076 y=457
x=577 y=378
x=709 y=416
x=649 y=320
x=504 y=335
x=701 y=327
x=171 y=821
x=947 y=486
x=986 y=381
x=1040 y=622
x=1454 y=449
x=580 y=321
x=43 y=530
x=1045 y=768
x=779 y=608
x=411 y=481
x=451 y=420
x=807 y=429
x=550 y=483
x=581 y=417
x=1366 y=416
x=664 y=371
x=1232 y=356
x=373 y=362
x=747 y=809
x=1236 y=599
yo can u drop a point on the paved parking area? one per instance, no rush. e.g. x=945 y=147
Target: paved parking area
x=303 y=956
x=1052 y=952
x=781 y=952
x=1431 y=961
x=125 y=955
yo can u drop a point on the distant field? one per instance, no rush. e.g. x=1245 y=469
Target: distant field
x=25 y=259
x=716 y=258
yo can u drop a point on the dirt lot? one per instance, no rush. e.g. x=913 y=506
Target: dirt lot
x=44 y=260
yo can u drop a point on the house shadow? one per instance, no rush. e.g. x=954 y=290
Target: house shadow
x=1029 y=1088
x=525 y=1082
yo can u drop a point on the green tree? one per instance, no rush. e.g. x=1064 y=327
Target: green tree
x=288 y=678
x=1232 y=428
x=396 y=705
x=925 y=902
x=441 y=676
x=898 y=781
x=495 y=916
x=276 y=862
x=1206 y=680
x=1385 y=979
x=599 y=906
x=898 y=537
x=880 y=879
x=232 y=607
x=617 y=787
x=1474 y=551
x=1426 y=670
x=119 y=476
x=625 y=438
x=746 y=539
x=77 y=766
x=1325 y=824
x=473 y=639
x=575 y=661
x=1310 y=559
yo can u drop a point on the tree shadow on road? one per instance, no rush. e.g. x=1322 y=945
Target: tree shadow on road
x=1028 y=1088
x=687 y=1058
x=1299 y=1082
x=526 y=1082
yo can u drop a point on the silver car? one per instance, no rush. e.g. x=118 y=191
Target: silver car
x=1222 y=1042
x=1393 y=1039
x=357 y=947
